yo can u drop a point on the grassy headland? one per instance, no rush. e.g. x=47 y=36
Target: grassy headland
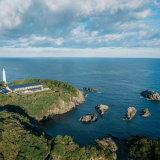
x=42 y=104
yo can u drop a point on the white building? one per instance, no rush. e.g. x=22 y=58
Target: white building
x=25 y=88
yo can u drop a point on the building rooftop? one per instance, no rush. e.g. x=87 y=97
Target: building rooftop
x=5 y=91
x=24 y=85
x=1 y=89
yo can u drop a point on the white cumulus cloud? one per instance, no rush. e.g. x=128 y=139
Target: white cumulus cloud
x=78 y=23
x=11 y=12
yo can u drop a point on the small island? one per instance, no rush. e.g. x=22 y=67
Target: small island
x=131 y=112
x=101 y=109
x=89 y=118
x=151 y=95
x=145 y=113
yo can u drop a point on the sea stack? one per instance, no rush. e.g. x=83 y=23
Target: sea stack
x=131 y=112
x=101 y=108
x=145 y=113
x=90 y=117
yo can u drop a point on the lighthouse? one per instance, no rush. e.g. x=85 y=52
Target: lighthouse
x=4 y=76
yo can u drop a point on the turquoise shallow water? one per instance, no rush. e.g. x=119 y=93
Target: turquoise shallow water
x=120 y=82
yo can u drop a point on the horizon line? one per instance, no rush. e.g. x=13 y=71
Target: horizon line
x=88 y=57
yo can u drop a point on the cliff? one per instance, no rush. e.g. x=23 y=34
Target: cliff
x=67 y=106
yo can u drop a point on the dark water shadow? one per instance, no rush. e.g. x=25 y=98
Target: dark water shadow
x=17 y=109
x=33 y=127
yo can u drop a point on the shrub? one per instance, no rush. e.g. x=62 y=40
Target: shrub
x=144 y=148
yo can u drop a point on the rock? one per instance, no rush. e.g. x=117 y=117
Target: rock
x=101 y=108
x=146 y=113
x=131 y=112
x=94 y=118
x=85 y=118
x=90 y=117
x=152 y=95
x=91 y=89
x=107 y=144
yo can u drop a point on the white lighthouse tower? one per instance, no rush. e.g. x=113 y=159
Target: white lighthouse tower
x=4 y=76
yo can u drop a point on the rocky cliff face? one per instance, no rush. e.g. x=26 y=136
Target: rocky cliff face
x=108 y=144
x=64 y=107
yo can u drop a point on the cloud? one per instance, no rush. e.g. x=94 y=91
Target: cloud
x=11 y=12
x=143 y=14
x=34 y=40
x=78 y=24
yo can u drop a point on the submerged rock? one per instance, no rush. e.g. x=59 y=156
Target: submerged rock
x=101 y=108
x=90 y=117
x=146 y=113
x=91 y=89
x=131 y=112
x=152 y=95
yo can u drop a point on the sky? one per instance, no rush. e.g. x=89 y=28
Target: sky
x=80 y=28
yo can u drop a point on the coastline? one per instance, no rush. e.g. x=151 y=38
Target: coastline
x=65 y=107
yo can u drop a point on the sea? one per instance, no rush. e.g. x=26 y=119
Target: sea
x=120 y=81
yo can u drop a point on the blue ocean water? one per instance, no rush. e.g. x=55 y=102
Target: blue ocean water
x=120 y=81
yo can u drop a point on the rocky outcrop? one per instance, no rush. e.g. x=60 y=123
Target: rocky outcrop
x=101 y=108
x=131 y=112
x=145 y=113
x=64 y=107
x=152 y=95
x=108 y=144
x=91 y=89
x=90 y=117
